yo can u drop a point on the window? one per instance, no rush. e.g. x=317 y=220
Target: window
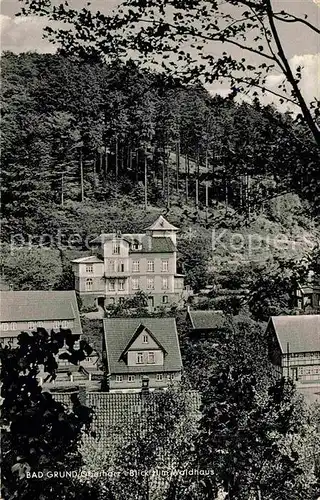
x=165 y=299
x=5 y=326
x=31 y=325
x=116 y=248
x=112 y=266
x=111 y=286
x=89 y=268
x=150 y=283
x=139 y=358
x=165 y=266
x=151 y=357
x=135 y=245
x=135 y=283
x=119 y=378
x=121 y=300
x=89 y=284
x=150 y=266
x=121 y=285
x=131 y=378
x=64 y=324
x=145 y=339
x=56 y=324
x=13 y=326
x=165 y=283
x=170 y=376
x=135 y=266
x=120 y=266
x=159 y=377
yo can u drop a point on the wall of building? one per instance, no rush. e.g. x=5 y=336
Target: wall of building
x=125 y=385
x=302 y=366
x=132 y=357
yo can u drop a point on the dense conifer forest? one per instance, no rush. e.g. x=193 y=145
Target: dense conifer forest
x=89 y=133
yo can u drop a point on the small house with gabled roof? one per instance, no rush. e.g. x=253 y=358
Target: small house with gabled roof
x=205 y=323
x=28 y=310
x=125 y=264
x=137 y=349
x=294 y=348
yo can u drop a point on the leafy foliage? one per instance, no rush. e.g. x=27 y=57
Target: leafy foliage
x=39 y=435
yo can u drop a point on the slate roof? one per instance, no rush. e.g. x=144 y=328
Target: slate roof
x=118 y=333
x=20 y=306
x=302 y=332
x=148 y=243
x=206 y=320
x=161 y=224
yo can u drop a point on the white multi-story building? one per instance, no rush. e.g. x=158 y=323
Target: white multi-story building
x=124 y=264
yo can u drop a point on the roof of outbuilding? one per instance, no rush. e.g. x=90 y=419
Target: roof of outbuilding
x=116 y=413
x=40 y=305
x=301 y=332
x=118 y=333
x=206 y=320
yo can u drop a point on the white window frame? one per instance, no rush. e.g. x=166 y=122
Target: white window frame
x=31 y=325
x=135 y=266
x=151 y=358
x=111 y=285
x=165 y=266
x=150 y=266
x=145 y=338
x=120 y=266
x=89 y=284
x=159 y=377
x=13 y=326
x=165 y=284
x=135 y=284
x=119 y=378
x=150 y=283
x=89 y=268
x=116 y=248
x=139 y=358
x=131 y=378
x=4 y=326
x=121 y=287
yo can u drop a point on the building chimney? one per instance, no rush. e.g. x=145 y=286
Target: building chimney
x=145 y=386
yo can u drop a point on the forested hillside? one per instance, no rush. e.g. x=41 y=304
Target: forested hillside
x=88 y=147
x=88 y=133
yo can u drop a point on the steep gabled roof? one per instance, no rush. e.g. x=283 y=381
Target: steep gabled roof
x=136 y=334
x=161 y=224
x=118 y=333
x=301 y=332
x=40 y=305
x=206 y=320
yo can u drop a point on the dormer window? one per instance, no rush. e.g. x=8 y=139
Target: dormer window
x=145 y=339
x=136 y=245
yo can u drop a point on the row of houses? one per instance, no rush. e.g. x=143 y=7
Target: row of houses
x=138 y=351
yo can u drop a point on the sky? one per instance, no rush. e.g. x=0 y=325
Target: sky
x=21 y=34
